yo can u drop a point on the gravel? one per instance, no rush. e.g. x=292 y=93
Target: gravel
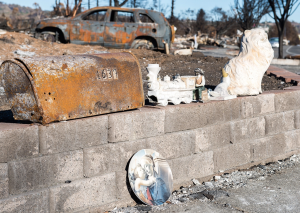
x=217 y=187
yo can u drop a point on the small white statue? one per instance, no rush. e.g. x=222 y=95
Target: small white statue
x=221 y=90
x=243 y=74
x=180 y=90
x=196 y=43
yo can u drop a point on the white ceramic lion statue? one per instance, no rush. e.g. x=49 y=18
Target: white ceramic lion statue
x=247 y=69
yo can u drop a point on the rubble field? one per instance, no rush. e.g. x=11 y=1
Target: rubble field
x=18 y=45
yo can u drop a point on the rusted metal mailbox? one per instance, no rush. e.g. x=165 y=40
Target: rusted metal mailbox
x=47 y=89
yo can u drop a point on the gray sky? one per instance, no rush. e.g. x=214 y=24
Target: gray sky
x=180 y=6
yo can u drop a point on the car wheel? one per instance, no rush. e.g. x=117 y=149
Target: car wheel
x=50 y=38
x=142 y=44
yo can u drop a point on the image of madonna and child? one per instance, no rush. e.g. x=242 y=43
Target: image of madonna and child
x=148 y=186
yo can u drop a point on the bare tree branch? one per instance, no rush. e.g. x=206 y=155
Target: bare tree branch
x=285 y=8
x=295 y=8
x=250 y=13
x=118 y=4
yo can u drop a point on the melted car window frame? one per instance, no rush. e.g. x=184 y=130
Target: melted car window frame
x=97 y=11
x=147 y=16
x=114 y=16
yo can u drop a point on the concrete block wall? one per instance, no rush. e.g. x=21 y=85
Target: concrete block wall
x=80 y=165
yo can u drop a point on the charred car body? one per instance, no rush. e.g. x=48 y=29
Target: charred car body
x=111 y=27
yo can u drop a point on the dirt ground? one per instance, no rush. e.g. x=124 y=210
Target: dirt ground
x=15 y=45
x=12 y=41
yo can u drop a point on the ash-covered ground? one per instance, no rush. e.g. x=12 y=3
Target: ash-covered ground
x=229 y=191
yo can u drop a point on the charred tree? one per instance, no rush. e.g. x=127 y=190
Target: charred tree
x=250 y=12
x=118 y=4
x=200 y=23
x=138 y=3
x=68 y=10
x=134 y=3
x=172 y=11
x=155 y=5
x=290 y=33
x=222 y=21
x=281 y=10
x=77 y=8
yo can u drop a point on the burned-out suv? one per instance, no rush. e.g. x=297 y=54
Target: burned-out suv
x=112 y=27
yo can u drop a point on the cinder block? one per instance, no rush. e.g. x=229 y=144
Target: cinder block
x=232 y=109
x=18 y=141
x=287 y=100
x=292 y=140
x=3 y=180
x=137 y=124
x=73 y=134
x=279 y=122
x=124 y=191
x=193 y=166
x=267 y=147
x=193 y=116
x=110 y=157
x=213 y=137
x=253 y=106
x=214 y=112
x=297 y=119
x=32 y=202
x=41 y=172
x=231 y=156
x=174 y=145
x=81 y=194
x=247 y=129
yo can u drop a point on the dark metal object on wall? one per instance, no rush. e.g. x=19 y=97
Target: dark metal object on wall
x=47 y=89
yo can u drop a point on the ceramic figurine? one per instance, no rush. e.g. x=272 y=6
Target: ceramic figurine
x=179 y=90
x=200 y=84
x=247 y=69
x=221 y=90
x=243 y=74
x=150 y=177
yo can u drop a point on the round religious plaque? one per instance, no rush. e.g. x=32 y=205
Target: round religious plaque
x=150 y=177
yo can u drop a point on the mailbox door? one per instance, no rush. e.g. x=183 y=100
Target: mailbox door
x=19 y=91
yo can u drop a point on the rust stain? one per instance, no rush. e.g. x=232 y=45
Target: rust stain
x=64 y=66
x=86 y=85
x=173 y=34
x=118 y=25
